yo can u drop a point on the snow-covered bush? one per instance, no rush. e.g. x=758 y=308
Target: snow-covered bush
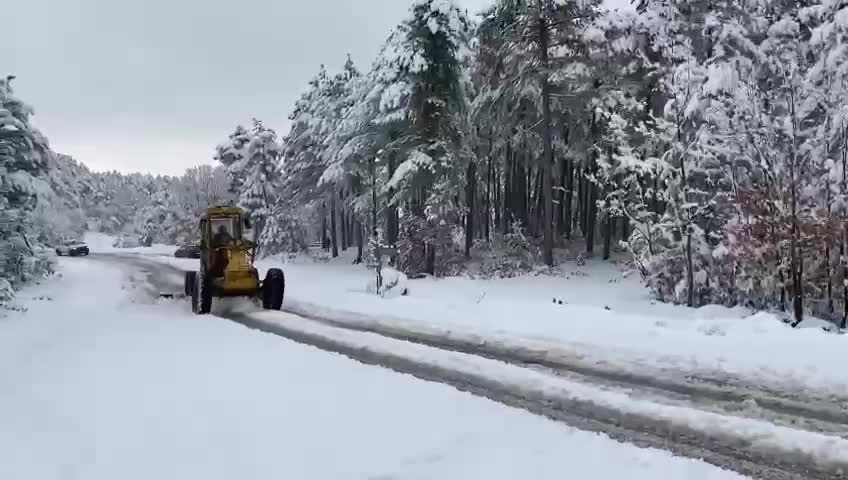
x=426 y=245
x=509 y=255
x=395 y=284
x=6 y=291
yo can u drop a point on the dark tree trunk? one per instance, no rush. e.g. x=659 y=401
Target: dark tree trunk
x=609 y=223
x=625 y=228
x=392 y=220
x=430 y=251
x=525 y=203
x=470 y=194
x=690 y=271
x=538 y=200
x=519 y=201
x=497 y=200
x=844 y=323
x=506 y=218
x=591 y=216
x=560 y=208
x=343 y=218
x=488 y=203
x=585 y=210
x=547 y=145
x=325 y=242
x=359 y=240
x=333 y=231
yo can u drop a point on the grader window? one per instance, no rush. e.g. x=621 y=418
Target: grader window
x=225 y=229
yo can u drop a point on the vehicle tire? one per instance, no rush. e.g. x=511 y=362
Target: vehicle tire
x=201 y=298
x=273 y=289
x=190 y=279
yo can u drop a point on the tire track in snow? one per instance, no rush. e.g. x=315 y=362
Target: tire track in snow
x=640 y=430
x=741 y=401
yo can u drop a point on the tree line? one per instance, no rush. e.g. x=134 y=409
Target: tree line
x=708 y=139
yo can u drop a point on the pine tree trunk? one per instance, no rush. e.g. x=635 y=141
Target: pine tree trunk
x=539 y=202
x=392 y=220
x=585 y=187
x=527 y=198
x=488 y=205
x=343 y=218
x=470 y=193
x=497 y=200
x=333 y=231
x=625 y=228
x=506 y=218
x=560 y=208
x=609 y=222
x=359 y=240
x=842 y=248
x=520 y=204
x=373 y=197
x=325 y=242
x=797 y=265
x=547 y=145
x=690 y=272
x=591 y=216
x=842 y=254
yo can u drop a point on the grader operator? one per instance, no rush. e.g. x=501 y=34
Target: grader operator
x=227 y=264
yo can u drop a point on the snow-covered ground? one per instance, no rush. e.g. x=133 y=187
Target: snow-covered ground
x=96 y=383
x=103 y=243
x=606 y=318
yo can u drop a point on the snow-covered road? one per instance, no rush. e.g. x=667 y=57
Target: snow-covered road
x=739 y=434
x=97 y=382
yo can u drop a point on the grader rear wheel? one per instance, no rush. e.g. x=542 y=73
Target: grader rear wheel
x=201 y=295
x=273 y=289
x=190 y=280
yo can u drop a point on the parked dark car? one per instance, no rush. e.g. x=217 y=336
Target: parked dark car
x=72 y=248
x=188 y=251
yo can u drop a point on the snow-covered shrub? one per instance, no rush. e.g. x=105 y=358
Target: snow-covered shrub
x=6 y=291
x=510 y=255
x=394 y=284
x=426 y=245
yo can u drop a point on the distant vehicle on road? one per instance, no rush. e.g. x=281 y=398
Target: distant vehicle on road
x=72 y=248
x=188 y=251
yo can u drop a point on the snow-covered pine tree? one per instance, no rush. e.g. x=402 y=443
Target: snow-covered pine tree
x=231 y=153
x=23 y=168
x=260 y=175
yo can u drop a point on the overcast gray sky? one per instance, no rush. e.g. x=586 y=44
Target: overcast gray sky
x=154 y=85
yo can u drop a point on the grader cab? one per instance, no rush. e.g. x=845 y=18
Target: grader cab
x=227 y=264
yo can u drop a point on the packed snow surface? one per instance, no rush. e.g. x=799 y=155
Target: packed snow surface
x=112 y=386
x=103 y=243
x=604 y=317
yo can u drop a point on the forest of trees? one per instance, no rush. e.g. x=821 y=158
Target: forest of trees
x=708 y=140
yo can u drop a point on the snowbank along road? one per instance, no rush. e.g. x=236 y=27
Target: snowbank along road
x=760 y=434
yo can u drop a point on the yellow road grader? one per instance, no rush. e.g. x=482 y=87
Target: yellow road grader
x=227 y=264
